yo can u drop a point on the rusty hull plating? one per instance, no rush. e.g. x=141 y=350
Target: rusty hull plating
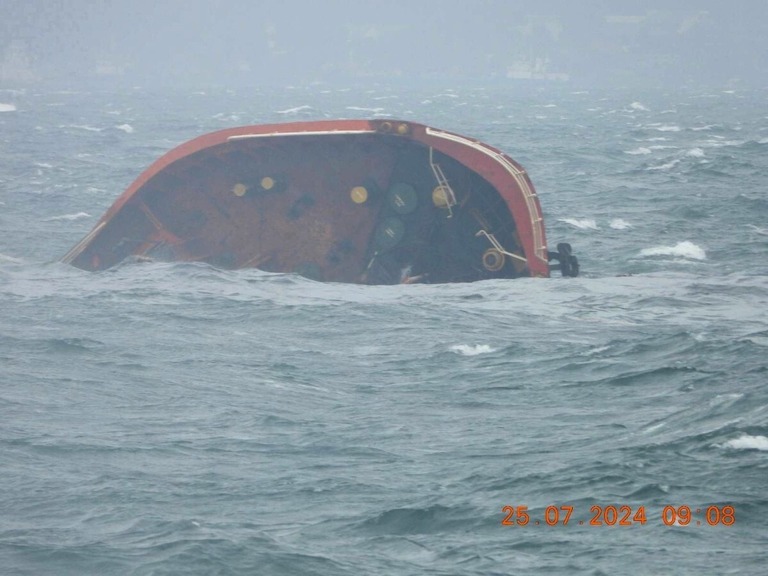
x=361 y=201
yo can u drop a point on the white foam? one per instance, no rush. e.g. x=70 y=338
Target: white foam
x=583 y=223
x=7 y=107
x=77 y=216
x=695 y=153
x=620 y=224
x=667 y=128
x=638 y=106
x=747 y=442
x=636 y=151
x=466 y=350
x=362 y=109
x=684 y=249
x=666 y=166
x=761 y=231
x=127 y=128
x=11 y=259
x=81 y=127
x=763 y=141
x=295 y=110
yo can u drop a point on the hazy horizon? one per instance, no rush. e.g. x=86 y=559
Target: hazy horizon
x=233 y=43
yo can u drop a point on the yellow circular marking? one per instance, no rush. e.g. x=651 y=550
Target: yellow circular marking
x=359 y=194
x=239 y=189
x=267 y=183
x=439 y=197
x=403 y=129
x=493 y=260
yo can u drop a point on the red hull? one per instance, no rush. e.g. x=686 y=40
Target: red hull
x=365 y=201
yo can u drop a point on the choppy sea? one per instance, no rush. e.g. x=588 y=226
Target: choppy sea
x=164 y=419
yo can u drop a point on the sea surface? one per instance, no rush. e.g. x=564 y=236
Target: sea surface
x=174 y=418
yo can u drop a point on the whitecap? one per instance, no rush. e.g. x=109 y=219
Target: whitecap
x=666 y=166
x=7 y=107
x=583 y=223
x=466 y=350
x=81 y=127
x=763 y=141
x=361 y=109
x=695 y=153
x=620 y=224
x=76 y=216
x=10 y=259
x=127 y=128
x=638 y=106
x=747 y=442
x=684 y=249
x=295 y=110
x=667 y=128
x=757 y=229
x=640 y=150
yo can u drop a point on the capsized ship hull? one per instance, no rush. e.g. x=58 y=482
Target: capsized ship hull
x=361 y=201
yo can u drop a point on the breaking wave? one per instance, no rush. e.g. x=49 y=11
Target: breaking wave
x=466 y=350
x=684 y=249
x=76 y=216
x=666 y=166
x=295 y=110
x=747 y=442
x=620 y=224
x=583 y=223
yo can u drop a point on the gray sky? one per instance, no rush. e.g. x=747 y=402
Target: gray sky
x=258 y=42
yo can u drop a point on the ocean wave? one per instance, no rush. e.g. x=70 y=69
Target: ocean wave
x=466 y=350
x=362 y=109
x=620 y=224
x=640 y=150
x=127 y=128
x=758 y=230
x=76 y=216
x=684 y=249
x=7 y=107
x=10 y=259
x=747 y=442
x=638 y=106
x=85 y=127
x=295 y=110
x=666 y=166
x=583 y=223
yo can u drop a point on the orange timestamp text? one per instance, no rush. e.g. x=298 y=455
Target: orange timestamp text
x=612 y=515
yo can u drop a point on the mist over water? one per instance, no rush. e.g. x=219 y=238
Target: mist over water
x=194 y=43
